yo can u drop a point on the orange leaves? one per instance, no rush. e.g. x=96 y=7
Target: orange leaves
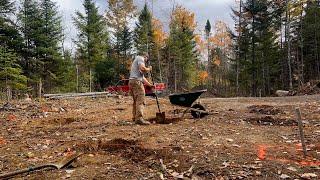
x=183 y=18
x=217 y=61
x=203 y=76
x=12 y=117
x=158 y=33
x=222 y=38
x=200 y=43
x=2 y=141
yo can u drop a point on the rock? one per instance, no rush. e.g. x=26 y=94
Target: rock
x=69 y=171
x=308 y=175
x=292 y=169
x=282 y=93
x=30 y=155
x=229 y=140
x=284 y=176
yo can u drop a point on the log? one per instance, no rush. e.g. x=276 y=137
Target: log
x=74 y=95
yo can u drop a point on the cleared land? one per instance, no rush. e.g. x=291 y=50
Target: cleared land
x=252 y=138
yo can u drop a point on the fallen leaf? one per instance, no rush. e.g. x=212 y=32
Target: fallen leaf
x=11 y=117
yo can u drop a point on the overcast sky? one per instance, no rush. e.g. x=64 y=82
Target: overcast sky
x=204 y=9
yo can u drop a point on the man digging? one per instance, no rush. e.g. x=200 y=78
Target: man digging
x=136 y=86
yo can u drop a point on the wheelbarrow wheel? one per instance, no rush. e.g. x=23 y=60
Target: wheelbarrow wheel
x=196 y=114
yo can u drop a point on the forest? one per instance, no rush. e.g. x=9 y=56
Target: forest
x=272 y=45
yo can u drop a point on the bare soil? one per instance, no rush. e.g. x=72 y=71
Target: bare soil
x=242 y=138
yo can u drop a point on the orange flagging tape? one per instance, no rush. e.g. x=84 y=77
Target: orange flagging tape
x=262 y=155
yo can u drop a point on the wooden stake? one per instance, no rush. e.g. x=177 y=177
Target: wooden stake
x=298 y=113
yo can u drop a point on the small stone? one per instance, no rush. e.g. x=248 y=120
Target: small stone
x=69 y=171
x=308 y=175
x=292 y=169
x=284 y=176
x=229 y=140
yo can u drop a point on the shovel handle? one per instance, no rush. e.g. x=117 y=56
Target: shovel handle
x=30 y=169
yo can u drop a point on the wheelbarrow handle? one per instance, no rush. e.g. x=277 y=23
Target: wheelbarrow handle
x=30 y=169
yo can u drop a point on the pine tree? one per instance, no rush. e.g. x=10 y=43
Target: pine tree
x=9 y=34
x=143 y=31
x=123 y=49
x=258 y=48
x=49 y=50
x=10 y=71
x=118 y=14
x=92 y=43
x=181 y=47
x=30 y=20
x=311 y=41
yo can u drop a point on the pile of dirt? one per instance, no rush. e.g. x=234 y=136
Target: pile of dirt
x=269 y=121
x=165 y=121
x=310 y=88
x=129 y=149
x=265 y=109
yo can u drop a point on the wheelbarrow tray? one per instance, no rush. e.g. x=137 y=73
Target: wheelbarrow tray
x=185 y=99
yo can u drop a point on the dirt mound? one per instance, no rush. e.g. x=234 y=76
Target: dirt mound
x=130 y=149
x=269 y=121
x=310 y=88
x=265 y=109
x=166 y=121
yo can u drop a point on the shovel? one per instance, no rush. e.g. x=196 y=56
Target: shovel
x=59 y=165
x=160 y=116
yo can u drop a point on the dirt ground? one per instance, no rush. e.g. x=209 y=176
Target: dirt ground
x=242 y=138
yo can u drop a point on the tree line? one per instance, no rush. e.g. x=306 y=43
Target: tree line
x=33 y=56
x=275 y=45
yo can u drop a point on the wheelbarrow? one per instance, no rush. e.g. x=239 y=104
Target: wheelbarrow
x=187 y=100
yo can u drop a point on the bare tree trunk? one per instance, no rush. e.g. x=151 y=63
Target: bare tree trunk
x=301 y=39
x=253 y=60
x=316 y=47
x=40 y=88
x=90 y=80
x=159 y=64
x=77 y=69
x=239 y=50
x=288 y=24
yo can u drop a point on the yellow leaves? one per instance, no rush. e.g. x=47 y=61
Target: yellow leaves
x=222 y=38
x=158 y=33
x=203 y=76
x=183 y=18
x=201 y=45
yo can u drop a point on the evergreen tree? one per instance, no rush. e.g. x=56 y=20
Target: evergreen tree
x=311 y=40
x=66 y=76
x=145 y=40
x=258 y=48
x=49 y=43
x=119 y=13
x=30 y=22
x=10 y=71
x=92 y=43
x=181 y=50
x=9 y=34
x=143 y=31
x=123 y=48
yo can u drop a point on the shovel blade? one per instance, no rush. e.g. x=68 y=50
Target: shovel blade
x=161 y=117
